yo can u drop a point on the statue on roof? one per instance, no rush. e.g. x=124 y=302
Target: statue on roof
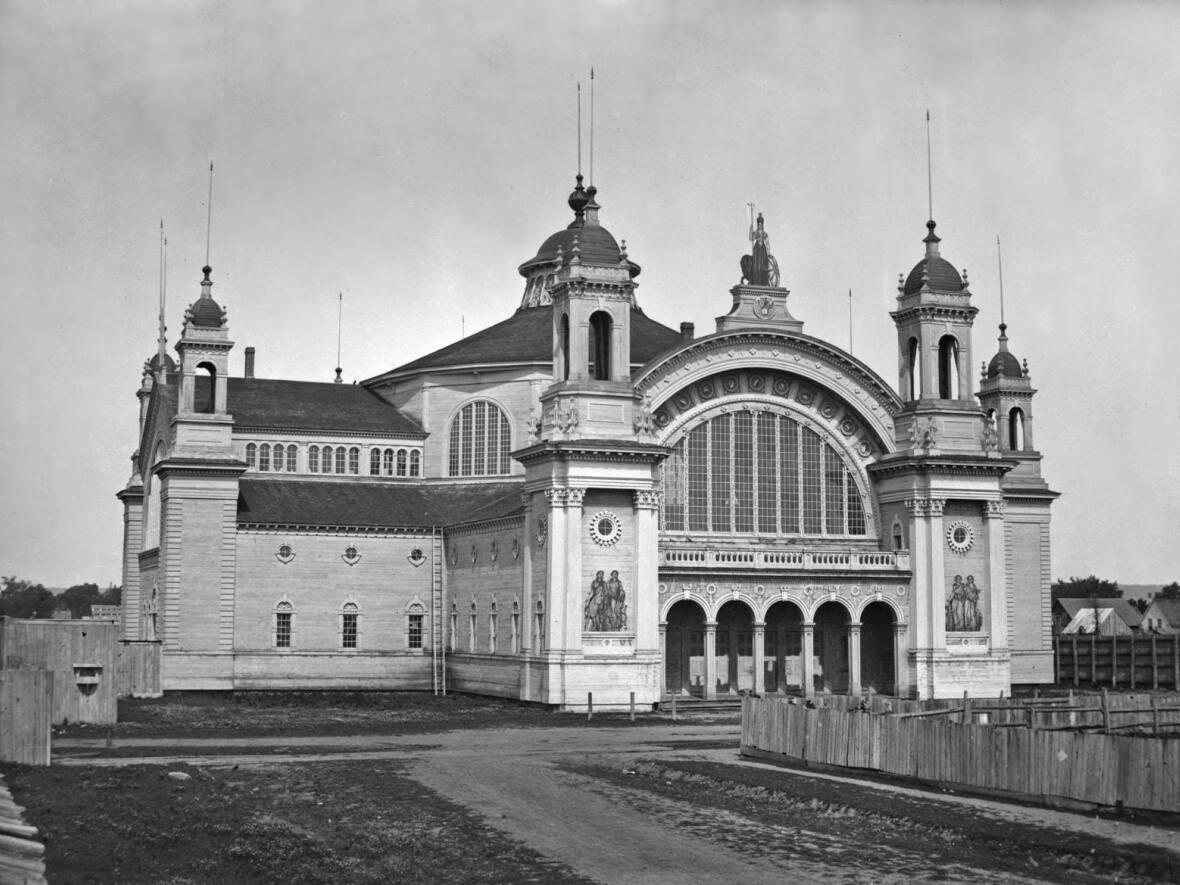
x=759 y=268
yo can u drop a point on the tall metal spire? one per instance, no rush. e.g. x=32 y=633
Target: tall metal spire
x=929 y=170
x=162 y=340
x=591 y=126
x=1000 y=262
x=209 y=216
x=339 y=326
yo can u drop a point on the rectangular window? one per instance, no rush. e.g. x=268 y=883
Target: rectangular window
x=856 y=513
x=743 y=472
x=721 y=462
x=414 y=631
x=465 y=445
x=480 y=448
x=788 y=449
x=767 y=470
x=674 y=489
x=812 y=463
x=834 y=494
x=282 y=630
x=698 y=479
x=348 y=632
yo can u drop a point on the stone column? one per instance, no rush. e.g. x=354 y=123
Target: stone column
x=645 y=597
x=573 y=569
x=663 y=658
x=854 y=657
x=808 y=655
x=554 y=635
x=901 y=673
x=711 y=660
x=759 y=657
x=996 y=591
x=936 y=601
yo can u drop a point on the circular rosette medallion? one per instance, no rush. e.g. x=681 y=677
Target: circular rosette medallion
x=605 y=528
x=960 y=536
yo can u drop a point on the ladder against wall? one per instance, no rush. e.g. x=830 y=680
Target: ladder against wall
x=437 y=612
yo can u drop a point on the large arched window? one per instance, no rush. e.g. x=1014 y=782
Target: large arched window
x=480 y=441
x=415 y=462
x=948 y=368
x=600 y=334
x=914 y=370
x=1016 y=430
x=760 y=472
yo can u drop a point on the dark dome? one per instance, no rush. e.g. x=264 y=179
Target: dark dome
x=596 y=245
x=941 y=273
x=1004 y=363
x=207 y=314
x=154 y=362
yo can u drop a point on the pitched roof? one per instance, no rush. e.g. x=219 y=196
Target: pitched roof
x=527 y=337
x=310 y=405
x=374 y=504
x=1169 y=608
x=1127 y=612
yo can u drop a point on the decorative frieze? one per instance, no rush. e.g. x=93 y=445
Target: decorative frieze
x=647 y=500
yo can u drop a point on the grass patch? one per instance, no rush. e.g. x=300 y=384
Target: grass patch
x=362 y=822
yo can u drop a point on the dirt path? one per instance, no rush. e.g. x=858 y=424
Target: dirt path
x=517 y=780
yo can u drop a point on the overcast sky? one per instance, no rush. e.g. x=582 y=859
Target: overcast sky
x=412 y=155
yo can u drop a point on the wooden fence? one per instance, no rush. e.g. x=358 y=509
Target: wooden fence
x=1042 y=763
x=138 y=669
x=1143 y=661
x=79 y=654
x=26 y=706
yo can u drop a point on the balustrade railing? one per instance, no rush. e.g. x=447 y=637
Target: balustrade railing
x=849 y=560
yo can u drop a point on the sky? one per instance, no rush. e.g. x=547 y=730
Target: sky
x=411 y=155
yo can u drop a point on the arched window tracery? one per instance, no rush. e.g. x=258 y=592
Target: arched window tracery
x=760 y=472
x=480 y=439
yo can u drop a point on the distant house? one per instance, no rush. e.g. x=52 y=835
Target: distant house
x=1106 y=617
x=99 y=612
x=1162 y=616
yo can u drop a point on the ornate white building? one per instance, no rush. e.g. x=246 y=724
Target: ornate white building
x=582 y=500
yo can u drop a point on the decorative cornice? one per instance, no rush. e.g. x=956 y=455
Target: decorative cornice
x=335 y=433
x=590 y=450
x=227 y=467
x=422 y=531
x=943 y=465
x=463 y=529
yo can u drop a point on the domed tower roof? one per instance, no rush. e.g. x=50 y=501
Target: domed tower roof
x=595 y=245
x=933 y=269
x=1004 y=363
x=205 y=313
x=153 y=364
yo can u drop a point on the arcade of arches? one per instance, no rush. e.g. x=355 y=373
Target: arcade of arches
x=784 y=654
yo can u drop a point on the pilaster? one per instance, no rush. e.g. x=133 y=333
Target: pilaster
x=759 y=657
x=710 y=660
x=645 y=608
x=808 y=659
x=997 y=578
x=854 y=658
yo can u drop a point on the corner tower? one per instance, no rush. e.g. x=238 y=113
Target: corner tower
x=590 y=493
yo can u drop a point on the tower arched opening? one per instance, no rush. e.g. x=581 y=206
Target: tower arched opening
x=684 y=649
x=783 y=648
x=948 y=368
x=600 y=335
x=205 y=389
x=1016 y=429
x=914 y=371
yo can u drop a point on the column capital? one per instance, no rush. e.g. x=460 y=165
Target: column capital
x=574 y=497
x=994 y=509
x=925 y=506
x=647 y=500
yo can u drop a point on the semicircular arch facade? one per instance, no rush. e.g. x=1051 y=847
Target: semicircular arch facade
x=711 y=596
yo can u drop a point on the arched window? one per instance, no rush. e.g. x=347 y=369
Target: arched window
x=454 y=634
x=326 y=462
x=914 y=370
x=280 y=453
x=153 y=521
x=350 y=625
x=292 y=451
x=415 y=462
x=948 y=368
x=1016 y=430
x=539 y=628
x=205 y=388
x=565 y=347
x=284 y=625
x=493 y=615
x=415 y=625
x=471 y=628
x=374 y=462
x=600 y=333
x=354 y=461
x=898 y=535
x=514 y=638
x=760 y=472
x=387 y=468
x=264 y=457
x=251 y=455
x=401 y=462
x=340 y=456
x=313 y=459
x=479 y=441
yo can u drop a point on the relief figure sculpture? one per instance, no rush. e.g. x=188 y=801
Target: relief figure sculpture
x=606 y=605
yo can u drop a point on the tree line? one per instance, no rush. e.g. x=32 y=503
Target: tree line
x=1093 y=587
x=21 y=598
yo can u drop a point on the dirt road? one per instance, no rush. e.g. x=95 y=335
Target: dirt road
x=538 y=787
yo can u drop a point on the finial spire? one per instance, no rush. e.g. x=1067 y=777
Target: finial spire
x=929 y=172
x=339 y=325
x=850 y=321
x=592 y=126
x=209 y=215
x=1000 y=262
x=162 y=340
x=579 y=130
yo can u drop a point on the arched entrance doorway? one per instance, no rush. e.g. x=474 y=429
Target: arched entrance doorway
x=735 y=648
x=684 y=649
x=783 y=648
x=831 y=648
x=877 y=639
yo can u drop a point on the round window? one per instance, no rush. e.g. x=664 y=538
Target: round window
x=605 y=528
x=960 y=536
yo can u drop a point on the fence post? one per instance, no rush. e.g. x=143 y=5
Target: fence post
x=589 y=705
x=1094 y=658
x=1132 y=662
x=632 y=706
x=1105 y=712
x=1176 y=661
x=1155 y=665
x=1076 y=666
x=1155 y=716
x=1114 y=660
x=673 y=706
